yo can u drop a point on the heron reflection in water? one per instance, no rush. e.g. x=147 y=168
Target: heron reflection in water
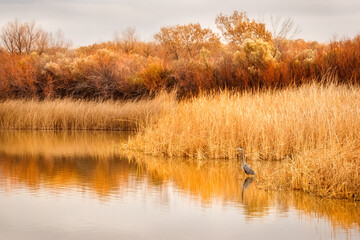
x=247 y=169
x=247 y=182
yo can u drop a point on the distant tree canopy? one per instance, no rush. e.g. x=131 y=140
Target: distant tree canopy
x=188 y=58
x=127 y=40
x=187 y=40
x=27 y=37
x=238 y=27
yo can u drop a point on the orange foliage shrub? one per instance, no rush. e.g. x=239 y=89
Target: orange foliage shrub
x=102 y=75
x=344 y=58
x=188 y=58
x=155 y=76
x=19 y=75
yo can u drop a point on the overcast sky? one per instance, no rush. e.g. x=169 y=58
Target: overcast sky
x=89 y=21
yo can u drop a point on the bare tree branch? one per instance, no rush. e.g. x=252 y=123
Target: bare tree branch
x=27 y=37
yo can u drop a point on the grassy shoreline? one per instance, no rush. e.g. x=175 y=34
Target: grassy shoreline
x=269 y=125
x=68 y=114
x=314 y=129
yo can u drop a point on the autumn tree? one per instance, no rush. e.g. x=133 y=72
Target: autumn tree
x=147 y=49
x=127 y=40
x=282 y=31
x=238 y=27
x=55 y=41
x=187 y=40
x=27 y=37
x=284 y=28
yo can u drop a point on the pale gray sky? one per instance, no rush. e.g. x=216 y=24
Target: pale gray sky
x=89 y=21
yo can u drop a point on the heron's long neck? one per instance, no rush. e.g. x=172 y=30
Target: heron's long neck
x=242 y=158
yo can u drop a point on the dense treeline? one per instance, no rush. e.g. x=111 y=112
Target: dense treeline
x=189 y=58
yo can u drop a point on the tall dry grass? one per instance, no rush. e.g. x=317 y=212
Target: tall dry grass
x=68 y=114
x=315 y=127
x=330 y=172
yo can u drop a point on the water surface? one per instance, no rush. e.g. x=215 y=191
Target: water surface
x=79 y=185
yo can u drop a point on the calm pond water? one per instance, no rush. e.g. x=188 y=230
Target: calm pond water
x=78 y=185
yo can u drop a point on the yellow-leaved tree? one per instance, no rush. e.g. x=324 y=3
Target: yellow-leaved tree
x=184 y=41
x=238 y=27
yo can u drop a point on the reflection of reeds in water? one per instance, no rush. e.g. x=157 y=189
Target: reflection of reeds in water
x=61 y=143
x=340 y=213
x=64 y=159
x=105 y=175
x=211 y=182
x=225 y=181
x=208 y=180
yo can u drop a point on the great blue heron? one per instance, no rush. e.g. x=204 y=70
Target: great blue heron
x=247 y=169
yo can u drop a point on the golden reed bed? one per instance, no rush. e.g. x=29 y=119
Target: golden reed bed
x=68 y=114
x=313 y=129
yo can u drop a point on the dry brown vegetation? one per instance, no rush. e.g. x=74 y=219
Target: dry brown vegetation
x=67 y=114
x=315 y=128
x=268 y=124
x=187 y=57
x=254 y=91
